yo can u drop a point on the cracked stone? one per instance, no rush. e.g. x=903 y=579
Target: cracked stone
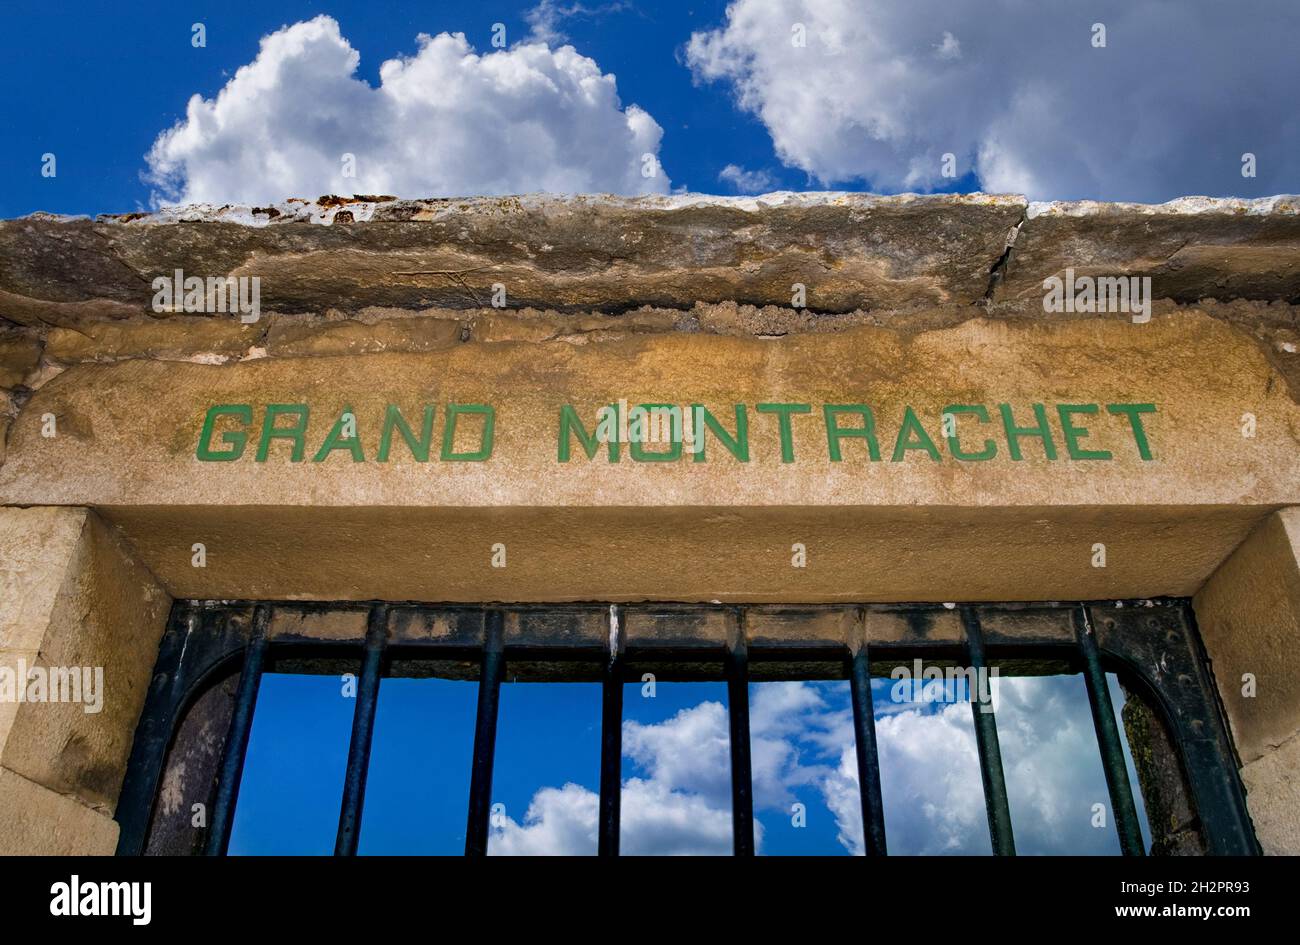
x=850 y=250
x=1192 y=249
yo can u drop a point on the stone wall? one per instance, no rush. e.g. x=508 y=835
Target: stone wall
x=74 y=601
x=350 y=276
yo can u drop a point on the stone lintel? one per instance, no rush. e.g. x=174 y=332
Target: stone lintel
x=687 y=554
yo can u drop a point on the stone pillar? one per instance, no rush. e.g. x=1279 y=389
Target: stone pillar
x=1249 y=616
x=80 y=621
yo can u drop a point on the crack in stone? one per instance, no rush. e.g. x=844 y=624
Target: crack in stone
x=998 y=270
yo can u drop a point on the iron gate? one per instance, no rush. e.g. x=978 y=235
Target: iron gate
x=1152 y=644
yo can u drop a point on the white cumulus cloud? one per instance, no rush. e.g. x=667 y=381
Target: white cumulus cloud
x=446 y=121
x=879 y=92
x=747 y=182
x=681 y=806
x=801 y=737
x=558 y=822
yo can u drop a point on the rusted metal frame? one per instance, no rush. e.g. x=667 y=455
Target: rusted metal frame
x=200 y=647
x=1156 y=642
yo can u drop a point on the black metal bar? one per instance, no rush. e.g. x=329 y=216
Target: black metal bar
x=149 y=750
x=485 y=734
x=241 y=723
x=864 y=726
x=986 y=740
x=363 y=727
x=611 y=740
x=742 y=791
x=1112 y=750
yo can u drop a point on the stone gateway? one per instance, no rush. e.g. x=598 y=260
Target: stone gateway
x=649 y=461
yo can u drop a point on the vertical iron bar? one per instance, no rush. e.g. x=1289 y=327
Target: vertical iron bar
x=611 y=739
x=864 y=726
x=363 y=727
x=485 y=734
x=986 y=739
x=241 y=723
x=1112 y=750
x=742 y=799
x=149 y=751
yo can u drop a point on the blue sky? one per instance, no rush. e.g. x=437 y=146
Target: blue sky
x=876 y=94
x=97 y=89
x=676 y=775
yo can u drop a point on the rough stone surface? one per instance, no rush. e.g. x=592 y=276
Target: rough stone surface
x=128 y=431
x=1273 y=793
x=597 y=269
x=36 y=548
x=19 y=355
x=295 y=530
x=7 y=409
x=1249 y=617
x=630 y=554
x=850 y=250
x=190 y=774
x=179 y=338
x=910 y=301
x=39 y=822
x=1171 y=817
x=323 y=339
x=1193 y=248
x=84 y=602
x=535 y=325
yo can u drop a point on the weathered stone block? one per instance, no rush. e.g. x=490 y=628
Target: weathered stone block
x=298 y=338
x=177 y=338
x=1273 y=794
x=36 y=550
x=1192 y=248
x=35 y=821
x=531 y=325
x=83 y=607
x=1249 y=616
x=851 y=250
x=19 y=355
